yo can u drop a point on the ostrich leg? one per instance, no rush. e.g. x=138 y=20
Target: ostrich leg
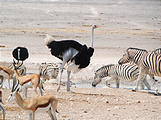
x=60 y=75
x=68 y=80
x=66 y=57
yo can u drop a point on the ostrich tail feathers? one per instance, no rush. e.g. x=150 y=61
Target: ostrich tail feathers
x=48 y=39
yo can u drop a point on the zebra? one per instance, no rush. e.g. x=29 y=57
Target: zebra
x=49 y=70
x=127 y=72
x=157 y=51
x=149 y=63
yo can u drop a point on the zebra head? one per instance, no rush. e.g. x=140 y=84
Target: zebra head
x=15 y=88
x=125 y=59
x=101 y=73
x=132 y=55
x=97 y=79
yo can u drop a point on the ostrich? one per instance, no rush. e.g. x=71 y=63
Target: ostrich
x=72 y=53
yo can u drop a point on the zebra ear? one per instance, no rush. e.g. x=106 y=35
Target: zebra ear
x=127 y=52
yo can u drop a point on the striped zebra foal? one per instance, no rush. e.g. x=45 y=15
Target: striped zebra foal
x=126 y=72
x=49 y=70
x=149 y=63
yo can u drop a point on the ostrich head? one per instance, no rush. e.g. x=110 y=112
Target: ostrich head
x=94 y=26
x=48 y=39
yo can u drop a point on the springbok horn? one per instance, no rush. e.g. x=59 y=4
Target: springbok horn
x=16 y=86
x=20 y=65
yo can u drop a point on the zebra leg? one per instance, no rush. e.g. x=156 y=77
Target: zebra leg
x=140 y=79
x=146 y=83
x=30 y=116
x=142 y=82
x=117 y=83
x=107 y=83
x=3 y=111
x=155 y=83
x=68 y=80
x=156 y=88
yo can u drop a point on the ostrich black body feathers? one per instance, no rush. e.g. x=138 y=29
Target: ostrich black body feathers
x=82 y=58
x=59 y=47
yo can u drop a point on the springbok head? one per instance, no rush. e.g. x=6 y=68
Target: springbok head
x=17 y=64
x=15 y=88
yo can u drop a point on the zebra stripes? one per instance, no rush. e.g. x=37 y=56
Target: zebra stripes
x=157 y=51
x=126 y=72
x=152 y=62
x=49 y=70
x=149 y=63
x=133 y=55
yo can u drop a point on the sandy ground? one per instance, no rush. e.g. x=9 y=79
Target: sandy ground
x=122 y=24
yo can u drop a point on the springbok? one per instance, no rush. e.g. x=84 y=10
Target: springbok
x=9 y=72
x=28 y=81
x=46 y=102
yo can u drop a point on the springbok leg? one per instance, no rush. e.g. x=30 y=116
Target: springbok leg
x=3 y=112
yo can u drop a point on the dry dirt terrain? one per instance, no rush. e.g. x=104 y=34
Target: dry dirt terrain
x=122 y=24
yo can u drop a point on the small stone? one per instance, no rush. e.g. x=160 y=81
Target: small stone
x=138 y=102
x=107 y=101
x=85 y=111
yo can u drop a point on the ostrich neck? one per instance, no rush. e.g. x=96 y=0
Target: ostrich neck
x=92 y=37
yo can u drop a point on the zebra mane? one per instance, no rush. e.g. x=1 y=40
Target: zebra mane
x=104 y=67
x=136 y=49
x=157 y=51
